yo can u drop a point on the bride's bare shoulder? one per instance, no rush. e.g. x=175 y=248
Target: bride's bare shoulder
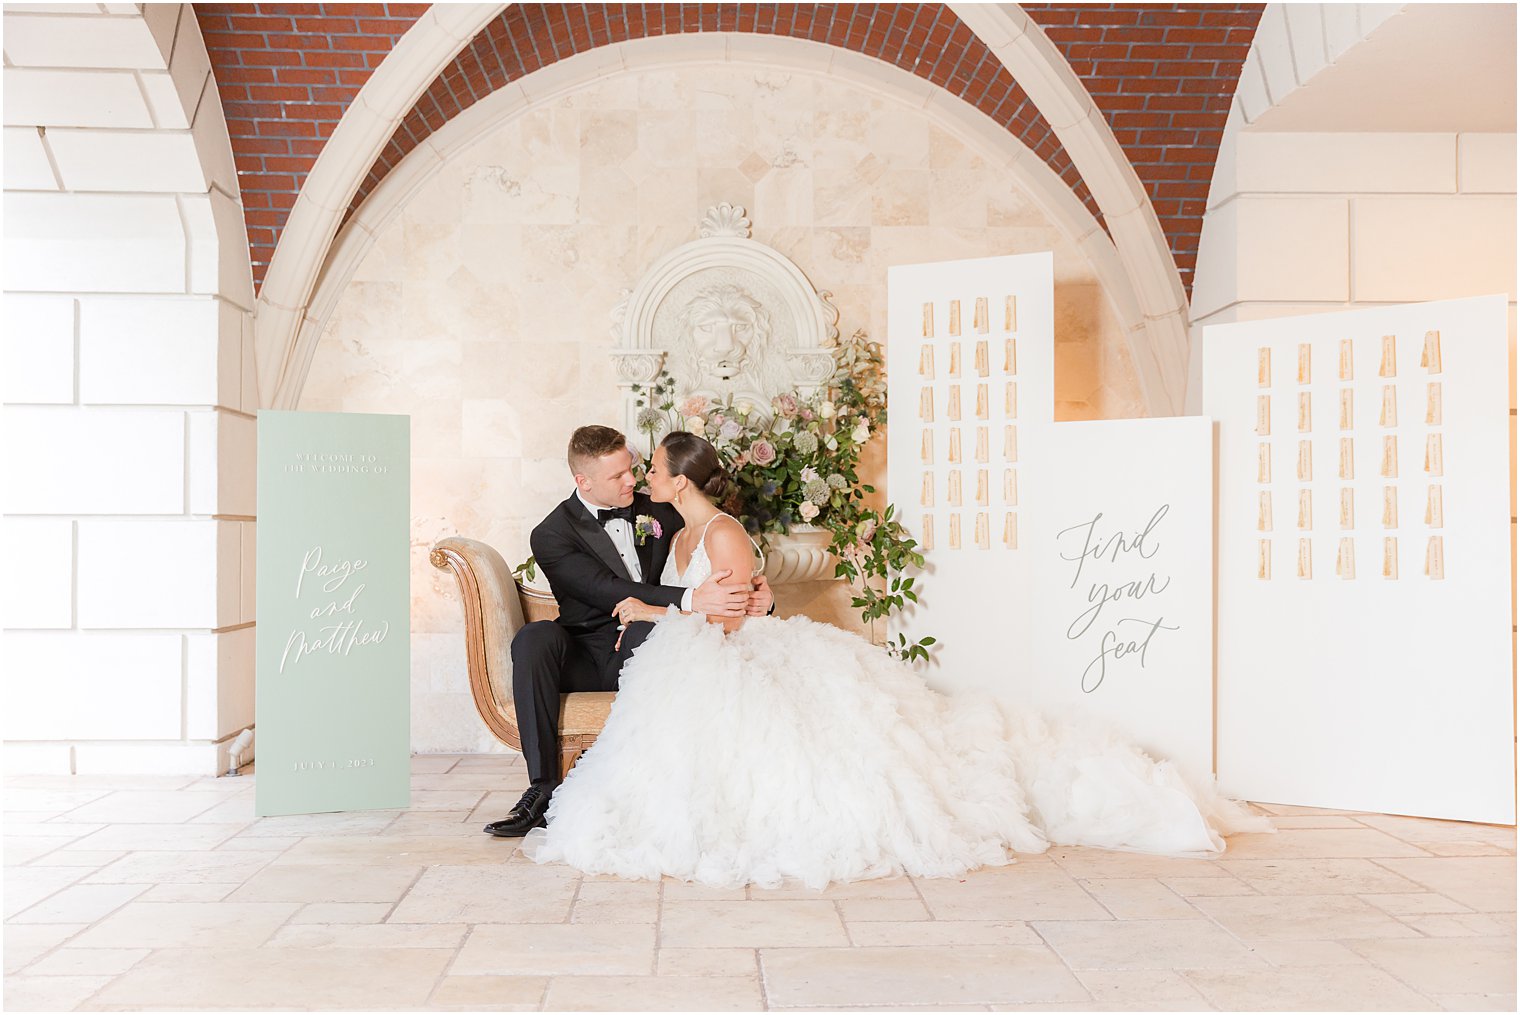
x=726 y=534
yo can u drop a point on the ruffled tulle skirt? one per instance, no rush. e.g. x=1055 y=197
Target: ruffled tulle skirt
x=792 y=750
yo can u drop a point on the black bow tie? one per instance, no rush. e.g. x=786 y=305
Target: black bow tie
x=605 y=515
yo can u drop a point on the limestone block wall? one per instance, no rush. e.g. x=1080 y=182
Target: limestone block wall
x=483 y=308
x=129 y=397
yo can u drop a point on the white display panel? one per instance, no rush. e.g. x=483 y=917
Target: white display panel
x=1364 y=656
x=1121 y=567
x=970 y=364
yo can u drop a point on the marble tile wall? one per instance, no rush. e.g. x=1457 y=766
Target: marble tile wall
x=483 y=309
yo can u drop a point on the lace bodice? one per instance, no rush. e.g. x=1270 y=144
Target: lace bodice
x=699 y=568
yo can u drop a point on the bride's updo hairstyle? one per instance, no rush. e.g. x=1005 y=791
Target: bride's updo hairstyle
x=691 y=456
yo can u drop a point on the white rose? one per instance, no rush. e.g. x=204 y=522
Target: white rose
x=808 y=510
x=862 y=433
x=696 y=425
x=826 y=410
x=744 y=408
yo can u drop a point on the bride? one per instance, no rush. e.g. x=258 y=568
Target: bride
x=754 y=750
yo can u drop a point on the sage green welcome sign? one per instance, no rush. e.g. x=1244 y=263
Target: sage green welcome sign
x=333 y=708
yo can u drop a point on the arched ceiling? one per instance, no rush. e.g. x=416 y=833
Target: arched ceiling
x=1162 y=75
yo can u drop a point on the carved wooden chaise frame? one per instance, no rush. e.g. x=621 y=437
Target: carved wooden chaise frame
x=496 y=606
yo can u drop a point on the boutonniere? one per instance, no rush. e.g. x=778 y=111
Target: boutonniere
x=645 y=526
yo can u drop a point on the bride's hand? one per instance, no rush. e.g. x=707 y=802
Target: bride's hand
x=632 y=610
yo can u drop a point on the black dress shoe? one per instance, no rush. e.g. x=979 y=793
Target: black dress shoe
x=528 y=814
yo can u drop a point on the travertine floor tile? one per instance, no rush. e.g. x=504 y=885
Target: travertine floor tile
x=1420 y=831
x=1484 y=883
x=618 y=891
x=342 y=912
x=1414 y=904
x=194 y=867
x=24 y=849
x=446 y=800
x=195 y=904
x=1084 y=862
x=1315 y=821
x=1343 y=876
x=87 y=962
x=469 y=781
x=497 y=893
x=942 y=933
x=1307 y=953
x=1146 y=944
x=1047 y=894
x=653 y=993
x=26 y=943
x=1356 y=988
x=1446 y=965
x=1149 y=988
x=892 y=910
x=94 y=859
x=24 y=799
x=523 y=993
x=1191 y=888
x=294 y=977
x=557 y=950
x=159 y=836
x=337 y=823
x=907 y=976
x=50 y=993
x=681 y=891
x=187 y=893
x=751 y=925
x=473 y=847
x=144 y=806
x=27 y=886
x=79 y=904
x=370 y=935
x=433 y=763
x=707 y=962
x=1476 y=1002
x=1307 y=917
x=874 y=888
x=1464 y=924
x=1139 y=899
x=327 y=883
x=1318 y=844
x=223 y=925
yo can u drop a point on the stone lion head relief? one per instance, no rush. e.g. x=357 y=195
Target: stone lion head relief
x=728 y=317
x=718 y=328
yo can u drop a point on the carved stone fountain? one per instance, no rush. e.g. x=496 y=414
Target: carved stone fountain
x=730 y=316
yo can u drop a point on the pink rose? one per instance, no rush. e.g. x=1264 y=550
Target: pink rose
x=696 y=405
x=762 y=453
x=786 y=404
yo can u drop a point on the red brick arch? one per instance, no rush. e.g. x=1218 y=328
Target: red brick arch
x=1163 y=76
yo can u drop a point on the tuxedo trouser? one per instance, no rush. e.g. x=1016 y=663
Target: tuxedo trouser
x=548 y=661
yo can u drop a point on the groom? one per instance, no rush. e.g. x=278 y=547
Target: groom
x=603 y=544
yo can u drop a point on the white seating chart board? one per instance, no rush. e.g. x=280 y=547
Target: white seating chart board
x=970 y=365
x=1364 y=621
x=1121 y=562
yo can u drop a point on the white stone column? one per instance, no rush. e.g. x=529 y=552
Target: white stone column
x=129 y=397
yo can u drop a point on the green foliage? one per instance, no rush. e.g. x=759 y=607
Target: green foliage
x=798 y=463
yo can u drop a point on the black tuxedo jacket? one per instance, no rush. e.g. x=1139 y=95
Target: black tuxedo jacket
x=586 y=573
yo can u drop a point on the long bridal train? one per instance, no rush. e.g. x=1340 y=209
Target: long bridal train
x=793 y=750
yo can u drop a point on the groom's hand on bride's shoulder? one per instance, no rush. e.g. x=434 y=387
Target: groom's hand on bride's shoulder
x=761 y=601
x=720 y=597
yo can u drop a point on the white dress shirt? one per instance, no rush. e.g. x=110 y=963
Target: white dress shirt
x=620 y=530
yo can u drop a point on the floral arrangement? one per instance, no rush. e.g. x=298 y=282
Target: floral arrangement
x=796 y=467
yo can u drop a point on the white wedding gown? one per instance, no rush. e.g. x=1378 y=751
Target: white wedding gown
x=791 y=749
